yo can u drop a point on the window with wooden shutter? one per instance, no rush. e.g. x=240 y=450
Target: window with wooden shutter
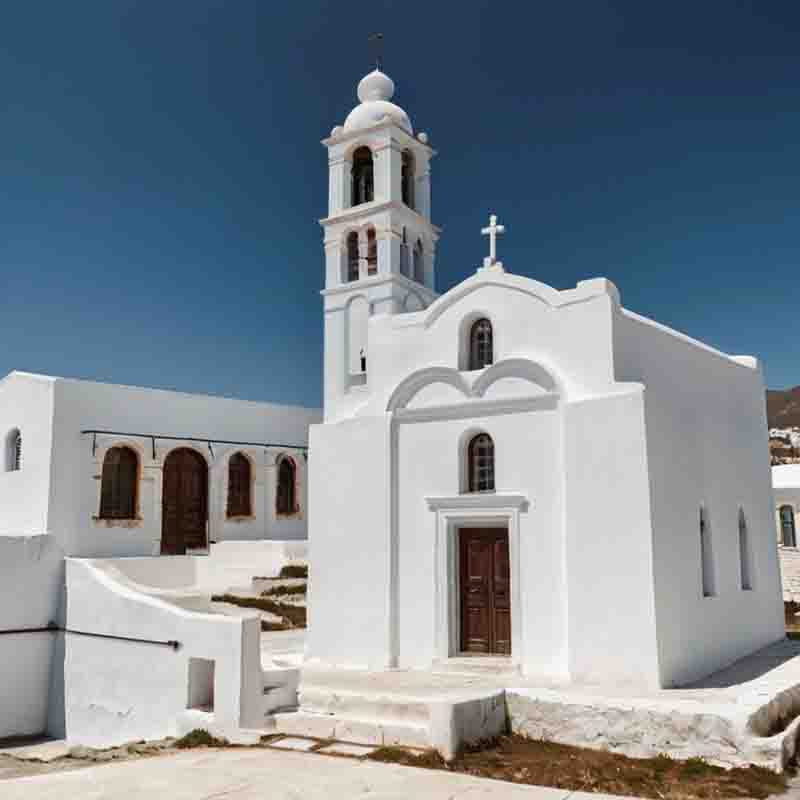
x=119 y=484
x=286 y=495
x=239 y=504
x=481 y=346
x=480 y=464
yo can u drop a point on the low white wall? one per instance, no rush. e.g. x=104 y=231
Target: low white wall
x=31 y=576
x=228 y=565
x=116 y=691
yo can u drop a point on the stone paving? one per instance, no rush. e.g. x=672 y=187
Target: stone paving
x=267 y=773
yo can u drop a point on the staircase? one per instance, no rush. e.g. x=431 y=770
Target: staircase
x=395 y=708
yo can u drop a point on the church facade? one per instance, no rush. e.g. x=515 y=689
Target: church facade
x=537 y=477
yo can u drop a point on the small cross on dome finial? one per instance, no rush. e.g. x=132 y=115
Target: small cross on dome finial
x=376 y=40
x=492 y=231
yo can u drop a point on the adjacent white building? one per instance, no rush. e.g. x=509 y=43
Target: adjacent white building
x=512 y=471
x=97 y=471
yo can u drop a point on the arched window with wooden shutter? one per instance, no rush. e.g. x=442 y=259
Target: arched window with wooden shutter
x=480 y=464
x=286 y=495
x=118 y=492
x=481 y=344
x=239 y=486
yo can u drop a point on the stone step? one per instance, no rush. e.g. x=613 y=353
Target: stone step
x=361 y=730
x=359 y=705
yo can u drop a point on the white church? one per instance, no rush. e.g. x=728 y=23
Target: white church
x=533 y=480
x=509 y=471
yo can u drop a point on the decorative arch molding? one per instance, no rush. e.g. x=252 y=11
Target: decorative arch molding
x=141 y=449
x=406 y=390
x=522 y=368
x=188 y=446
x=371 y=143
x=536 y=290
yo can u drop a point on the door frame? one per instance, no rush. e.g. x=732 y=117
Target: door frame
x=492 y=533
x=473 y=511
x=160 y=501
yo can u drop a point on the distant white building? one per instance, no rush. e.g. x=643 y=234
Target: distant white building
x=512 y=470
x=786 y=488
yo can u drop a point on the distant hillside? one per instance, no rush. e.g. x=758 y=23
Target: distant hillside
x=783 y=407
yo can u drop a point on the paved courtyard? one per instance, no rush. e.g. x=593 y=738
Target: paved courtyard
x=260 y=774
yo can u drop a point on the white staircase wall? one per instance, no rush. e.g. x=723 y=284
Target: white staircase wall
x=116 y=691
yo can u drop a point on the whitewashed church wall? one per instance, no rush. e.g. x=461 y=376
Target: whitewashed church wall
x=706 y=446
x=349 y=542
x=31 y=577
x=75 y=497
x=573 y=341
x=26 y=405
x=430 y=463
x=612 y=634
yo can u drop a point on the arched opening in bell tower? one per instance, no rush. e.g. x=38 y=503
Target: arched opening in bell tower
x=363 y=177
x=407 y=178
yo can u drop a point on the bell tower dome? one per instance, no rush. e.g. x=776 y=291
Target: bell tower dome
x=380 y=243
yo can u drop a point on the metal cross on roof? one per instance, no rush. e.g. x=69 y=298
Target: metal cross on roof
x=492 y=231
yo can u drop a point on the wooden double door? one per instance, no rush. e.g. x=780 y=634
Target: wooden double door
x=184 y=503
x=485 y=587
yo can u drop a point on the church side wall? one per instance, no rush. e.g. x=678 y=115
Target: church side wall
x=26 y=405
x=81 y=405
x=349 y=543
x=706 y=446
x=612 y=635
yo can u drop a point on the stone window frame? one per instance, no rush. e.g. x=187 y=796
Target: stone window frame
x=136 y=521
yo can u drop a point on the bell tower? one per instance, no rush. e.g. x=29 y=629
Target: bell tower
x=380 y=243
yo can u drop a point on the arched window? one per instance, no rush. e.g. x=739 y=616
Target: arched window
x=744 y=553
x=239 y=504
x=372 y=252
x=481 y=348
x=362 y=173
x=407 y=178
x=405 y=263
x=286 y=496
x=788 y=537
x=480 y=464
x=419 y=262
x=119 y=484
x=14 y=451
x=706 y=555
x=352 y=256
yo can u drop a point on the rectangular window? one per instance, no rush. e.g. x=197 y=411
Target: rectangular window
x=706 y=556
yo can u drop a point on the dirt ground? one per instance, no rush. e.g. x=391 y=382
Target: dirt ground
x=520 y=760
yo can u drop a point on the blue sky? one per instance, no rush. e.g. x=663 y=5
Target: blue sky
x=162 y=175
